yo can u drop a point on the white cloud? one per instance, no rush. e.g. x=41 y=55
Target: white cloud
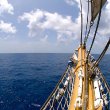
x=7 y=28
x=104 y=29
x=66 y=29
x=6 y=7
x=40 y=21
x=44 y=39
x=70 y=2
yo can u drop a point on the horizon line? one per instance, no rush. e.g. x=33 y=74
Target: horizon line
x=43 y=53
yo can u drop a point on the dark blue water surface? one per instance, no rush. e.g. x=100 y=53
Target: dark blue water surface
x=26 y=80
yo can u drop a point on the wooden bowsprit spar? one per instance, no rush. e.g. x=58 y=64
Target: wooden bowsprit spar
x=79 y=86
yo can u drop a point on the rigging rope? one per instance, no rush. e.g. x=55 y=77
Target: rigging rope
x=105 y=82
x=95 y=30
x=101 y=55
x=87 y=35
x=54 y=89
x=105 y=89
x=81 y=22
x=91 y=24
x=87 y=19
x=85 y=39
x=61 y=95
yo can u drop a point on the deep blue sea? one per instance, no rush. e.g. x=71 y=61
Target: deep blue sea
x=26 y=80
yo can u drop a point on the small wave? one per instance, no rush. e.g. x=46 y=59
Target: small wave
x=35 y=105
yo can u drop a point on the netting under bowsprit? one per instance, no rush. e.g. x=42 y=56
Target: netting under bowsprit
x=61 y=96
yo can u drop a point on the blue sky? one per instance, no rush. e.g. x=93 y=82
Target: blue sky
x=45 y=26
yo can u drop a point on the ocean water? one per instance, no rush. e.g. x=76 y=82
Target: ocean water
x=26 y=80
